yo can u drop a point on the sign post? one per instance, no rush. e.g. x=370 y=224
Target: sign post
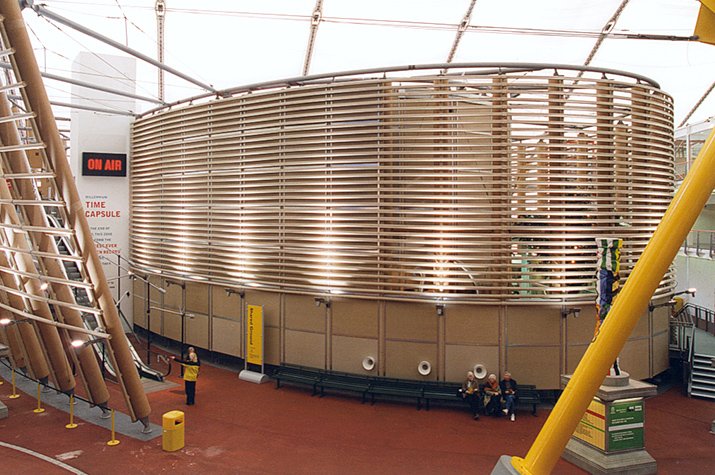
x=610 y=437
x=254 y=346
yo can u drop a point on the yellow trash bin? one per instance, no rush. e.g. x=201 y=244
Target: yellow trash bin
x=172 y=424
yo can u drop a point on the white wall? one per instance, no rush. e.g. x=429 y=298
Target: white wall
x=104 y=133
x=699 y=273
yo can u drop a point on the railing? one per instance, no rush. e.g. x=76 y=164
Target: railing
x=703 y=318
x=681 y=330
x=700 y=243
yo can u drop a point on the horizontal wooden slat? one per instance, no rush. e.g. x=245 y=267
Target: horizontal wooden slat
x=477 y=188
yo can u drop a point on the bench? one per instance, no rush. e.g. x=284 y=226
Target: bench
x=396 y=387
x=441 y=391
x=344 y=382
x=300 y=375
x=528 y=395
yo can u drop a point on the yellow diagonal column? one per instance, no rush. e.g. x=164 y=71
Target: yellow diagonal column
x=632 y=301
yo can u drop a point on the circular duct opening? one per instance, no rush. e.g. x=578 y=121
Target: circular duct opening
x=424 y=368
x=368 y=363
x=480 y=371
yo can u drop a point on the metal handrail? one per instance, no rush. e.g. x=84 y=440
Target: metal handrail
x=700 y=242
x=702 y=318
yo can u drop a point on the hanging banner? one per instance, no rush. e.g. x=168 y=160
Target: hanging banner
x=254 y=335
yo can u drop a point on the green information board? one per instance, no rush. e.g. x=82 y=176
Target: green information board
x=624 y=425
x=625 y=439
x=625 y=411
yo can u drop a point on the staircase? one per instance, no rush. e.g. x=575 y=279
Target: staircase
x=692 y=342
x=702 y=377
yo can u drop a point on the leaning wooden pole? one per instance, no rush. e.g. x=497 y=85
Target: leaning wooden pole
x=36 y=96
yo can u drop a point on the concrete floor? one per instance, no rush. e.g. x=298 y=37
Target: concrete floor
x=237 y=426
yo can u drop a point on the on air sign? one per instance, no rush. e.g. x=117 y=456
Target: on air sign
x=104 y=164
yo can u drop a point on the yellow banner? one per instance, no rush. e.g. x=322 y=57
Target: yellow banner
x=254 y=335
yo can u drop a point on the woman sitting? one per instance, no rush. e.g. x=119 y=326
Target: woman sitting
x=470 y=393
x=492 y=396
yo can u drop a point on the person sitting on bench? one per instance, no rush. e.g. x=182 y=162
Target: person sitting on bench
x=492 y=396
x=470 y=393
x=508 y=391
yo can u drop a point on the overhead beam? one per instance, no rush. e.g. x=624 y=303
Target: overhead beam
x=108 y=90
x=315 y=19
x=463 y=25
x=44 y=12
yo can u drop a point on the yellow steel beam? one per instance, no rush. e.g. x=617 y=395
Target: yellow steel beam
x=630 y=304
x=705 y=24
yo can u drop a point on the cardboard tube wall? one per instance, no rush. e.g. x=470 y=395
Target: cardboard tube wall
x=18 y=163
x=137 y=402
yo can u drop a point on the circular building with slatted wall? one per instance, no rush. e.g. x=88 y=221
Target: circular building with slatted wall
x=447 y=216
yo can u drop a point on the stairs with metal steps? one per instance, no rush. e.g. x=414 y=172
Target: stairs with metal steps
x=702 y=380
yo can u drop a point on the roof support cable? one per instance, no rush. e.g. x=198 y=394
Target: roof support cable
x=315 y=20
x=697 y=105
x=605 y=31
x=460 y=30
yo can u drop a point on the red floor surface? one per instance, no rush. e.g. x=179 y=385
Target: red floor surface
x=240 y=427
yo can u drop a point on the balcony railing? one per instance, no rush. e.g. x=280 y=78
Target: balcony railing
x=700 y=243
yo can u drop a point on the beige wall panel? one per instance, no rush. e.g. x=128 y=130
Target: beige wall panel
x=403 y=357
x=226 y=337
x=197 y=331
x=461 y=358
x=197 y=298
x=138 y=288
x=355 y=318
x=580 y=329
x=348 y=353
x=574 y=355
x=534 y=365
x=271 y=302
x=172 y=326
x=634 y=359
x=139 y=313
x=172 y=297
x=227 y=306
x=660 y=353
x=157 y=321
x=660 y=320
x=537 y=326
x=641 y=328
x=302 y=314
x=304 y=348
x=272 y=346
x=411 y=321
x=472 y=324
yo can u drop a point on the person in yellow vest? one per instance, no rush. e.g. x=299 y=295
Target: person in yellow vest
x=191 y=373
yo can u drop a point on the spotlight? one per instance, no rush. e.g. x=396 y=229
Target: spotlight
x=79 y=344
x=690 y=291
x=565 y=312
x=43 y=286
x=322 y=301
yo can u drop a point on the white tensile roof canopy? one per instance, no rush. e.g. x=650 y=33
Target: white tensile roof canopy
x=228 y=43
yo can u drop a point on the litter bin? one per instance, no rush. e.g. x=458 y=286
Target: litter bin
x=172 y=424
